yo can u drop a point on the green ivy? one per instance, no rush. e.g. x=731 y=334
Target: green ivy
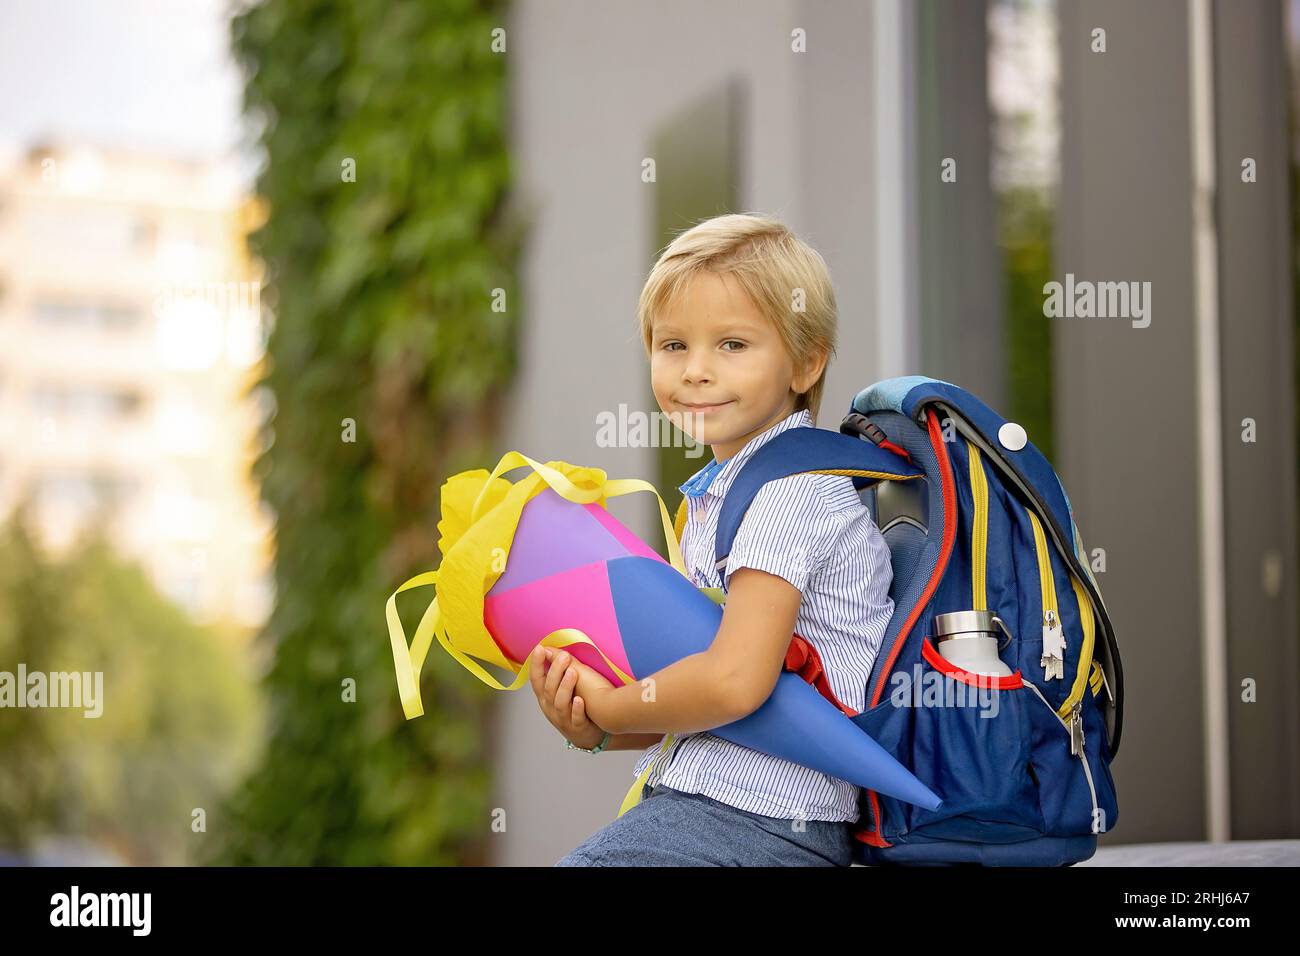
x=382 y=291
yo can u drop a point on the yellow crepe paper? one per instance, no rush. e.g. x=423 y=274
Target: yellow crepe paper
x=480 y=512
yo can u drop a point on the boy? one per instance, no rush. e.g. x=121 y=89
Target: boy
x=738 y=319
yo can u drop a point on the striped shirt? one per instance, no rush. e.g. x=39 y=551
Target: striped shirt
x=815 y=532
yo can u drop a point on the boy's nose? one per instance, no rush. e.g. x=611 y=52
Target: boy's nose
x=697 y=373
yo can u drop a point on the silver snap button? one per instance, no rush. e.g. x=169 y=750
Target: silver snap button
x=1012 y=436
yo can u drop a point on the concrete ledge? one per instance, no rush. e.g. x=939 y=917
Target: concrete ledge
x=1232 y=853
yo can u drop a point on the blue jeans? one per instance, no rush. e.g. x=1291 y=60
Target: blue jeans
x=672 y=828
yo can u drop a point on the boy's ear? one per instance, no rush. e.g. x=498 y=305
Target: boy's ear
x=812 y=370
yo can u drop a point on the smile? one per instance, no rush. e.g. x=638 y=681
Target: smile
x=702 y=409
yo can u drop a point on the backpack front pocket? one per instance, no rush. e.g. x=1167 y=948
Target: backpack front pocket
x=972 y=738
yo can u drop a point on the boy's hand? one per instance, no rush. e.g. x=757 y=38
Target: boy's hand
x=553 y=677
x=591 y=686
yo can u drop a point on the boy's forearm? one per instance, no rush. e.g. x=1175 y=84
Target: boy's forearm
x=685 y=697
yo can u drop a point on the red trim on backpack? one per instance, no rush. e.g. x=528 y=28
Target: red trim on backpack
x=896 y=449
x=941 y=663
x=872 y=833
x=871 y=837
x=802 y=658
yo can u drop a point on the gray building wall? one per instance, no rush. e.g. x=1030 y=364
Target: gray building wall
x=1185 y=511
x=1256 y=275
x=1125 y=213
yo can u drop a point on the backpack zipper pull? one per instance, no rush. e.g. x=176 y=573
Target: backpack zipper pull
x=1053 y=659
x=1076 y=729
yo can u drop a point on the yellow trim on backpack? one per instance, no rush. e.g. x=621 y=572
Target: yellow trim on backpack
x=979 y=530
x=1086 y=661
x=1046 y=580
x=1082 y=674
x=1087 y=619
x=859 y=473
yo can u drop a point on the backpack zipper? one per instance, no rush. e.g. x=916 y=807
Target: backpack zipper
x=1053 y=630
x=1074 y=702
x=1053 y=659
x=1055 y=634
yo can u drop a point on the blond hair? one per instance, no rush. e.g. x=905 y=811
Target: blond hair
x=772 y=265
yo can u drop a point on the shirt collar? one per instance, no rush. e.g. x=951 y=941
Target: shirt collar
x=715 y=478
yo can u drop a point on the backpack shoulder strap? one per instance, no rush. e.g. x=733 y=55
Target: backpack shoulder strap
x=799 y=451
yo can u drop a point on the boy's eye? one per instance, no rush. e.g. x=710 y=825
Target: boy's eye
x=672 y=346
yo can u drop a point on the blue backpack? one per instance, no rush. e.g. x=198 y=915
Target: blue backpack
x=975 y=518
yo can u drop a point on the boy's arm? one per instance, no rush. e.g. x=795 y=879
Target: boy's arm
x=757 y=625
x=728 y=681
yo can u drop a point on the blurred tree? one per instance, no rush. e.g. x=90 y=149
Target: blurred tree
x=1024 y=102
x=178 y=717
x=1025 y=221
x=32 y=626
x=1293 y=173
x=387 y=239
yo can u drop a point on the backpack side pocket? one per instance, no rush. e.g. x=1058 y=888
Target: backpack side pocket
x=972 y=747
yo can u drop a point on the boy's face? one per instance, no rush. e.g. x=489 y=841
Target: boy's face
x=718 y=367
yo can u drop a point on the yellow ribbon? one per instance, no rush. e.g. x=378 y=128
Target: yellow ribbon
x=478 y=537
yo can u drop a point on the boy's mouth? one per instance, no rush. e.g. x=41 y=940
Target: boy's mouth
x=703 y=409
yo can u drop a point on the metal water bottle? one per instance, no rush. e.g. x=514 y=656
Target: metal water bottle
x=969 y=640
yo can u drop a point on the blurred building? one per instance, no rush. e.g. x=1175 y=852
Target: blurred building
x=130 y=330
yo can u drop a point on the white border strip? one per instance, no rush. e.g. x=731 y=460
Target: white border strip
x=1208 y=417
x=896 y=294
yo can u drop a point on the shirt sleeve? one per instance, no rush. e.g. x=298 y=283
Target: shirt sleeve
x=788 y=531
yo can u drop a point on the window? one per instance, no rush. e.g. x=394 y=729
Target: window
x=84 y=491
x=81 y=231
x=70 y=316
x=144 y=233
x=93 y=402
x=701 y=144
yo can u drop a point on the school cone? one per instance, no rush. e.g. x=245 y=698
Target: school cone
x=573 y=567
